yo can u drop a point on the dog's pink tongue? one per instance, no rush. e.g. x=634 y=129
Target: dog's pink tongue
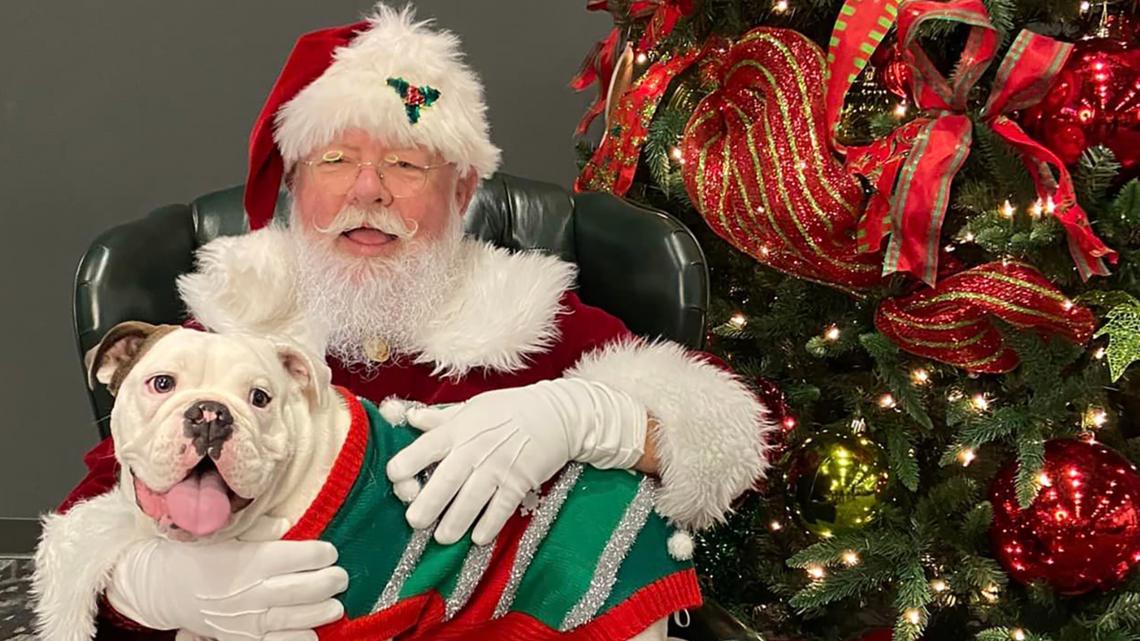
x=199 y=504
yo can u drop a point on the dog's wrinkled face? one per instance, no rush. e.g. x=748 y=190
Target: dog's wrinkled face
x=203 y=423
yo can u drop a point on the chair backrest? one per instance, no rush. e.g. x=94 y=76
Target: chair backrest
x=641 y=265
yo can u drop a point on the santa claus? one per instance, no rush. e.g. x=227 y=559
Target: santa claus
x=378 y=129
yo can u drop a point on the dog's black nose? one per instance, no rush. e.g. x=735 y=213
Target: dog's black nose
x=208 y=425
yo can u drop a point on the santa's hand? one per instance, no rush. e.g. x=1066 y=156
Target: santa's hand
x=231 y=591
x=499 y=445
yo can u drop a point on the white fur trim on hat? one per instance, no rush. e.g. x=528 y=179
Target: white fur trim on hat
x=354 y=92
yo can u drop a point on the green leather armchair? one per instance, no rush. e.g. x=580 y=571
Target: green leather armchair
x=641 y=265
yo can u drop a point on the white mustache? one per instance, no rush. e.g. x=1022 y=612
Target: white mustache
x=384 y=220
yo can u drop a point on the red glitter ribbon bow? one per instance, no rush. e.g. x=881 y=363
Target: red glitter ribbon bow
x=951 y=323
x=912 y=169
x=614 y=162
x=598 y=67
x=664 y=16
x=758 y=166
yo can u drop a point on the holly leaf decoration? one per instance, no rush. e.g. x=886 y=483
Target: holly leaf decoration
x=1123 y=331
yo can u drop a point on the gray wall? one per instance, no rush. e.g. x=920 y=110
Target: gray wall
x=110 y=108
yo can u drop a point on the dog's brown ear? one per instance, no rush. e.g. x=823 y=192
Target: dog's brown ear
x=110 y=360
x=311 y=374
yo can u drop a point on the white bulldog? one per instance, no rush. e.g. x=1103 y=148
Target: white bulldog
x=216 y=433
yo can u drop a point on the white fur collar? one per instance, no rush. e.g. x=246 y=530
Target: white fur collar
x=503 y=311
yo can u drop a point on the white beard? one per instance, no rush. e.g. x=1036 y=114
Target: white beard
x=355 y=300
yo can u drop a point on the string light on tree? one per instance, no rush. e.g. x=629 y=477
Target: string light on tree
x=938 y=585
x=991 y=593
x=1036 y=209
x=738 y=320
x=780 y=6
x=1096 y=417
x=1084 y=6
x=816 y=572
x=641 y=58
x=1007 y=209
x=1099 y=353
x=1017 y=634
x=675 y=152
x=851 y=558
x=920 y=376
x=966 y=456
x=980 y=402
x=831 y=333
x=900 y=110
x=913 y=616
x=775 y=526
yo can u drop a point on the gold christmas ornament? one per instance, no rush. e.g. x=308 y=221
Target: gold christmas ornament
x=836 y=483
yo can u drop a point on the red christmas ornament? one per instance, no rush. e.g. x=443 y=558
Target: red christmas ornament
x=1096 y=101
x=891 y=71
x=1082 y=532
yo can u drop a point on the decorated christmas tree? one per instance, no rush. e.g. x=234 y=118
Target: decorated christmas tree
x=922 y=221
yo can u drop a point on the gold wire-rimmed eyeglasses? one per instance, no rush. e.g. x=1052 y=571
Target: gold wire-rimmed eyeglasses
x=336 y=172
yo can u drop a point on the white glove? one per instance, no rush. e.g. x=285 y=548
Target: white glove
x=499 y=445
x=232 y=590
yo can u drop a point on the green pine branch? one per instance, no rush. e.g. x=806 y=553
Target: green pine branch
x=844 y=583
x=1007 y=634
x=1096 y=171
x=901 y=455
x=890 y=371
x=1030 y=460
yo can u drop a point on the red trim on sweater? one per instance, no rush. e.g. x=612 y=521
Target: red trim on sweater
x=342 y=477
x=382 y=625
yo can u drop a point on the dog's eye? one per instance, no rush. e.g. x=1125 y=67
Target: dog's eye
x=259 y=397
x=161 y=384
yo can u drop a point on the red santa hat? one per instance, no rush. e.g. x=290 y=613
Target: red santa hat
x=401 y=80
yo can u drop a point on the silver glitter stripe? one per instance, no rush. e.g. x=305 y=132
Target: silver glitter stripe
x=478 y=557
x=407 y=564
x=605 y=574
x=535 y=532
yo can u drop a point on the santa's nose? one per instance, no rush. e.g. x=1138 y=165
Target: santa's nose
x=208 y=425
